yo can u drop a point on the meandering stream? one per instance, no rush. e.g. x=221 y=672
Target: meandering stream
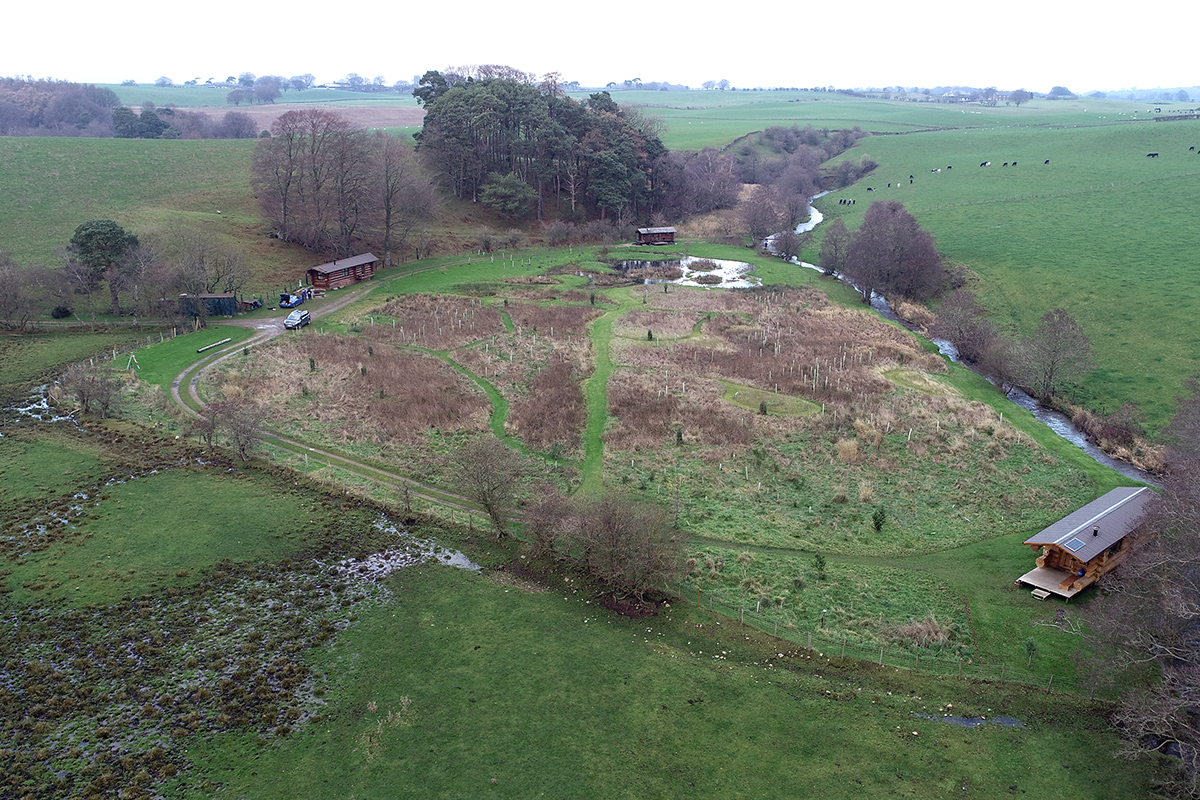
x=1056 y=421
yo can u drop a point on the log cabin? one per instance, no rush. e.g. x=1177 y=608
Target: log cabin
x=343 y=272
x=656 y=236
x=1083 y=546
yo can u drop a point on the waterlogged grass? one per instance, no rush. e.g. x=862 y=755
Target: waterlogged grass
x=464 y=686
x=141 y=534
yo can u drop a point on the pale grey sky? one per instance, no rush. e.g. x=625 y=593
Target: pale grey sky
x=1018 y=44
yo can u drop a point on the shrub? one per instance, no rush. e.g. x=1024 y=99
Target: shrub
x=61 y=312
x=847 y=450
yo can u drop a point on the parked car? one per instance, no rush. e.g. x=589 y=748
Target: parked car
x=297 y=319
x=290 y=300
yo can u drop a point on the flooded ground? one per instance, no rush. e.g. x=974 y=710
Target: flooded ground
x=709 y=273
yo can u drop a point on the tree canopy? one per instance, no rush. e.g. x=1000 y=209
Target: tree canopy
x=486 y=131
x=890 y=253
x=101 y=244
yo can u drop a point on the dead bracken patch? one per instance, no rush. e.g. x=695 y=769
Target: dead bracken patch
x=513 y=578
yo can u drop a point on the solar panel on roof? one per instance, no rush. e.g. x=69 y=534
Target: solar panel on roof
x=1074 y=544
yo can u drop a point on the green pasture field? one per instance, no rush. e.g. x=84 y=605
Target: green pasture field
x=1102 y=231
x=211 y=96
x=32 y=467
x=464 y=686
x=53 y=184
x=695 y=120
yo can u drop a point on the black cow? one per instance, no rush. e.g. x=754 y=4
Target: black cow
x=1005 y=164
x=1190 y=149
x=985 y=163
x=1047 y=161
x=1014 y=163
x=1151 y=155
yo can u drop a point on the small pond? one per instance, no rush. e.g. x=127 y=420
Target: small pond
x=692 y=271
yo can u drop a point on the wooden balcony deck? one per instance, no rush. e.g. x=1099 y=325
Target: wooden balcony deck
x=1049 y=579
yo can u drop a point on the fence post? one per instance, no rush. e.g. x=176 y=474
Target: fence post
x=776 y=627
x=843 y=647
x=960 y=668
x=1051 y=683
x=1002 y=673
x=742 y=615
x=810 y=642
x=881 y=655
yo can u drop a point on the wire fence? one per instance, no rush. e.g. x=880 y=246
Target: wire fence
x=883 y=655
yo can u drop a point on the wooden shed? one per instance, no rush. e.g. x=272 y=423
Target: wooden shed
x=1081 y=547
x=343 y=272
x=209 y=305
x=656 y=236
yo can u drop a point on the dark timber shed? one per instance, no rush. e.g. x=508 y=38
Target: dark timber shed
x=209 y=305
x=343 y=272
x=1083 y=546
x=656 y=236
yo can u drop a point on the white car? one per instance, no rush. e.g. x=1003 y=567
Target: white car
x=297 y=319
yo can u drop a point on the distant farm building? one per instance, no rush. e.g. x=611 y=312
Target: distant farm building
x=656 y=236
x=208 y=305
x=1083 y=546
x=343 y=272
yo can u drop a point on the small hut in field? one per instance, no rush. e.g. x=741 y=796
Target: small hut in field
x=656 y=236
x=343 y=272
x=1083 y=546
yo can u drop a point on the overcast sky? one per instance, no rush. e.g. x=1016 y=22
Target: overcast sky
x=1018 y=44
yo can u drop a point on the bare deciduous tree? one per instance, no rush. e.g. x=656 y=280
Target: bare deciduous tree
x=835 y=241
x=760 y=213
x=629 y=546
x=890 y=253
x=18 y=296
x=1057 y=354
x=95 y=387
x=242 y=421
x=488 y=472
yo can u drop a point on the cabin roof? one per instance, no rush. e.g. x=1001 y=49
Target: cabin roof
x=644 y=231
x=1115 y=514
x=345 y=263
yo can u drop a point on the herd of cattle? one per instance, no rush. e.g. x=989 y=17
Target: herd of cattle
x=847 y=201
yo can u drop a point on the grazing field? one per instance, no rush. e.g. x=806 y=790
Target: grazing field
x=464 y=685
x=1101 y=231
x=50 y=185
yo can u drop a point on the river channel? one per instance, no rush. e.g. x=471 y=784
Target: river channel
x=1056 y=421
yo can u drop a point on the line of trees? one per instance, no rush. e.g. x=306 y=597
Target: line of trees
x=45 y=107
x=333 y=187
x=1047 y=363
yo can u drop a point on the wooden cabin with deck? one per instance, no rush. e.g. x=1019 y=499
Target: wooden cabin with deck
x=343 y=272
x=656 y=236
x=1083 y=546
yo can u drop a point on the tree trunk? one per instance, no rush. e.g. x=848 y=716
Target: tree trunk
x=112 y=291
